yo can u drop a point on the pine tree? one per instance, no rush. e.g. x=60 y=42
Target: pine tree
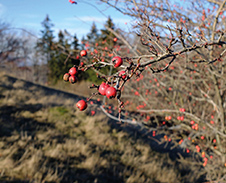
x=106 y=36
x=57 y=64
x=75 y=45
x=46 y=42
x=93 y=36
x=61 y=38
x=45 y=45
x=106 y=39
x=83 y=40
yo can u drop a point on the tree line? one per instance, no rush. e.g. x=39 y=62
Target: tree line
x=62 y=52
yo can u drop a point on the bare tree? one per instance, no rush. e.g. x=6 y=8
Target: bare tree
x=175 y=74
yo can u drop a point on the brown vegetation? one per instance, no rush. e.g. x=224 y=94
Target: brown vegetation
x=43 y=141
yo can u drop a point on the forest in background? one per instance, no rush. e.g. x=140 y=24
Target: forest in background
x=45 y=59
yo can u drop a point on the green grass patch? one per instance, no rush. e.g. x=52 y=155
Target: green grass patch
x=59 y=110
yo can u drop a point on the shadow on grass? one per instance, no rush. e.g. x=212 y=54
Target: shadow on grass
x=14 y=181
x=169 y=148
x=65 y=165
x=9 y=81
x=10 y=122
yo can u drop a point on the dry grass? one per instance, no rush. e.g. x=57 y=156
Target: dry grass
x=77 y=88
x=44 y=139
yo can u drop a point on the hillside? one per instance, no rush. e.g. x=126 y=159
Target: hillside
x=44 y=138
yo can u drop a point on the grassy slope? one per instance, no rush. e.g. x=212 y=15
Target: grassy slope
x=43 y=138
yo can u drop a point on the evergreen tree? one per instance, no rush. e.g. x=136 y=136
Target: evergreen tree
x=75 y=44
x=46 y=42
x=106 y=39
x=93 y=36
x=57 y=64
x=83 y=43
x=106 y=36
x=75 y=50
x=91 y=39
x=45 y=45
x=61 y=38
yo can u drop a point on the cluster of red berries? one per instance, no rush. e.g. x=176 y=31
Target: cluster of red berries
x=107 y=90
x=104 y=89
x=167 y=118
x=71 y=75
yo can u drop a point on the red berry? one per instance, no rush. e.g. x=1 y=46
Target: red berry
x=83 y=53
x=82 y=105
x=111 y=92
x=72 y=79
x=180 y=118
x=115 y=39
x=122 y=74
x=82 y=64
x=66 y=77
x=117 y=61
x=102 y=88
x=73 y=71
x=72 y=2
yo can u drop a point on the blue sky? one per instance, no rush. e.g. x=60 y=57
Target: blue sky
x=29 y=14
